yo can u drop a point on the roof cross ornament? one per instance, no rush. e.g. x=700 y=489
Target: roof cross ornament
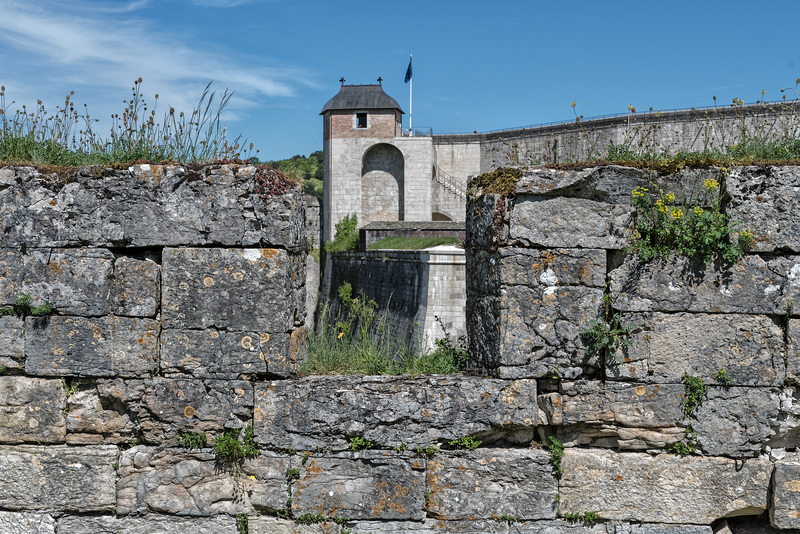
x=379 y=80
x=342 y=80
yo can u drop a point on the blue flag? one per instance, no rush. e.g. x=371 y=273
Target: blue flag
x=408 y=72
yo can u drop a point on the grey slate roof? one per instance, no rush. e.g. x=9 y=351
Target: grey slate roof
x=361 y=97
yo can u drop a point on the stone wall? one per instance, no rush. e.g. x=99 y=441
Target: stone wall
x=540 y=267
x=179 y=307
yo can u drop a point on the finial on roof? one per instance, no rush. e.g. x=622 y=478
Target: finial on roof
x=342 y=80
x=379 y=80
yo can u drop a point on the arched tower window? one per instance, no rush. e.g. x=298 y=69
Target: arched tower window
x=382 y=184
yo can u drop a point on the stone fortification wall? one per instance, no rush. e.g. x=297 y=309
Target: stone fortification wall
x=545 y=262
x=463 y=155
x=411 y=289
x=179 y=307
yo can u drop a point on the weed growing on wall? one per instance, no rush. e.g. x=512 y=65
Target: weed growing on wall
x=231 y=452
x=23 y=307
x=695 y=391
x=556 y=455
x=242 y=523
x=666 y=224
x=606 y=335
x=67 y=138
x=357 y=443
x=467 y=442
x=587 y=518
x=193 y=440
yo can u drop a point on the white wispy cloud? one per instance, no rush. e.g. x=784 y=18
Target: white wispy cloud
x=100 y=47
x=222 y=3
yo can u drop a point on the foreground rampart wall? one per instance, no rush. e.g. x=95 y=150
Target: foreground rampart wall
x=179 y=307
x=544 y=263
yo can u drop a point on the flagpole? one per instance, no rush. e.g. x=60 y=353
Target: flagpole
x=410 y=100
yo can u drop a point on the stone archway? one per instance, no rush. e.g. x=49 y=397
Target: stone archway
x=382 y=184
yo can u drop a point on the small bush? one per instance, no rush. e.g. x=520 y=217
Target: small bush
x=346 y=236
x=666 y=224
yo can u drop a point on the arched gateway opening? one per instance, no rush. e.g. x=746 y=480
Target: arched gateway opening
x=382 y=178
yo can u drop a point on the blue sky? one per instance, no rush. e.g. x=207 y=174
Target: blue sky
x=478 y=65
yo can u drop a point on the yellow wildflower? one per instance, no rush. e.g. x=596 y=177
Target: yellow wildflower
x=676 y=213
x=340 y=335
x=698 y=210
x=670 y=197
x=710 y=184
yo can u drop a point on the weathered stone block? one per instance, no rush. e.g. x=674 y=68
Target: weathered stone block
x=32 y=410
x=792 y=350
x=784 y=513
x=664 y=488
x=550 y=269
x=570 y=222
x=150 y=206
x=752 y=285
x=628 y=417
x=151 y=524
x=429 y=526
x=77 y=346
x=89 y=421
x=164 y=407
x=765 y=200
x=225 y=354
x=175 y=481
x=270 y=525
x=486 y=225
x=75 y=282
x=241 y=289
x=527 y=309
x=489 y=483
x=540 y=331
x=737 y=421
x=632 y=405
x=665 y=346
x=607 y=183
x=327 y=411
x=12 y=342
x=136 y=291
x=24 y=523
x=58 y=478
x=367 y=485
x=84 y=281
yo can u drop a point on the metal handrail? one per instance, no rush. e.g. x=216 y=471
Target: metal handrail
x=617 y=115
x=449 y=182
x=425 y=131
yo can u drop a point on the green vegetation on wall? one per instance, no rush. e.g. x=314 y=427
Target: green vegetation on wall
x=66 y=137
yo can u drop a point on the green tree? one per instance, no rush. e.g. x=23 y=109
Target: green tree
x=309 y=169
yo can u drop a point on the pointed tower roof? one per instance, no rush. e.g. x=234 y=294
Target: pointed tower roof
x=352 y=97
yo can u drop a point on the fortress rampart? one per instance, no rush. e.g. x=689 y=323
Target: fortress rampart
x=180 y=307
